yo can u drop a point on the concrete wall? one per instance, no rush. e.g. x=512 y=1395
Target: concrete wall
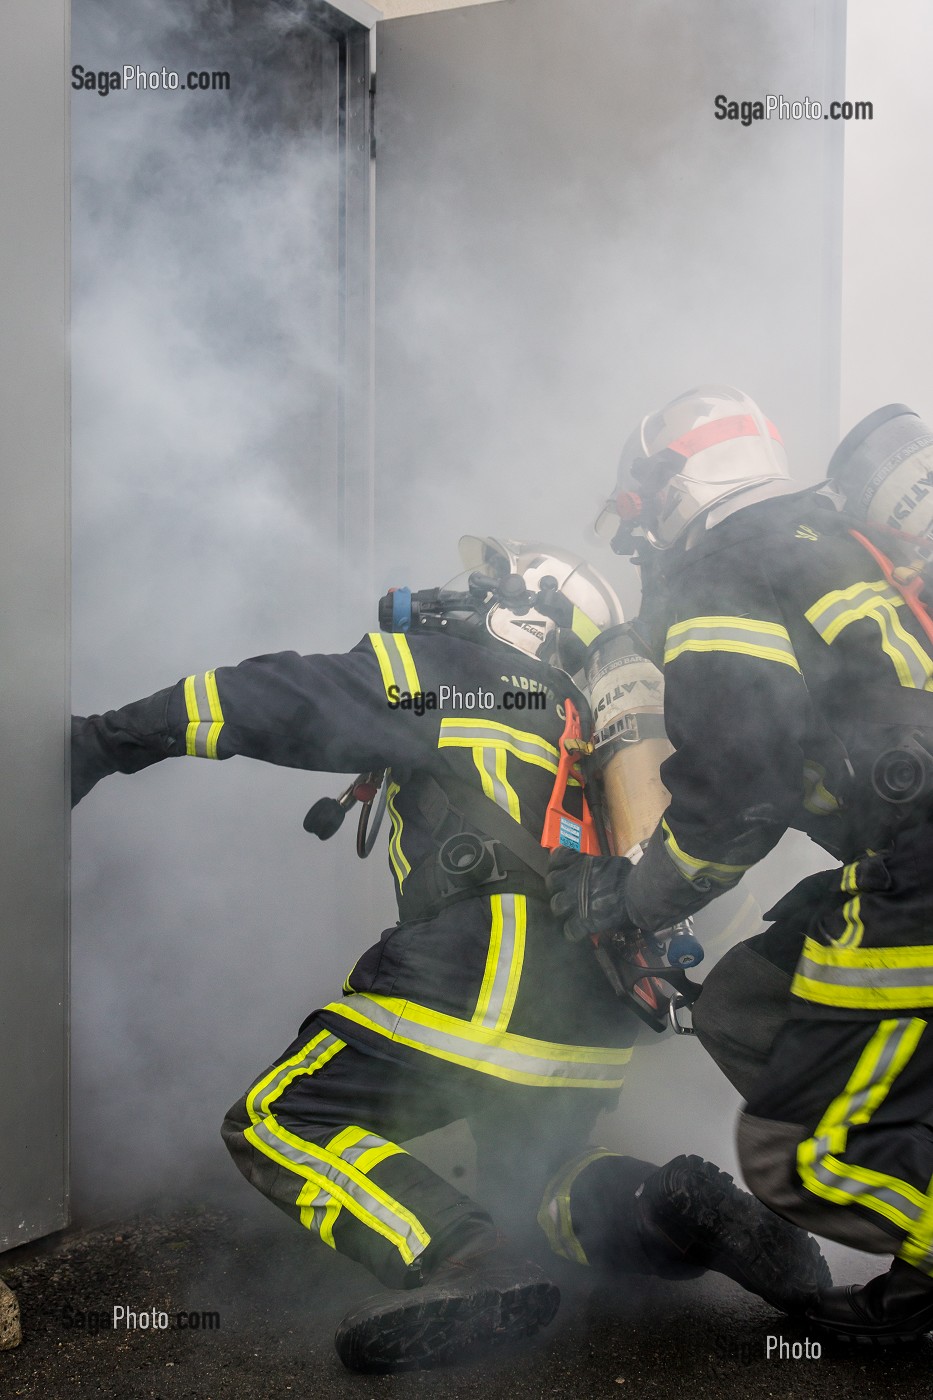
x=33 y=620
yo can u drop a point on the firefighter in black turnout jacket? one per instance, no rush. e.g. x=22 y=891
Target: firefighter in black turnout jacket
x=472 y=1005
x=795 y=668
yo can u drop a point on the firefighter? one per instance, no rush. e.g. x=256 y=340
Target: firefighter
x=792 y=663
x=472 y=1005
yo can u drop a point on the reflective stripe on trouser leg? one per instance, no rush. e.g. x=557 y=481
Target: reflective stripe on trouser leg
x=588 y=1211
x=842 y=1171
x=360 y=1193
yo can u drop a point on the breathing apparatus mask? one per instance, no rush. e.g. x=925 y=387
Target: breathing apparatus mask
x=539 y=600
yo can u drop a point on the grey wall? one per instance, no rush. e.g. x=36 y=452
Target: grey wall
x=221 y=510
x=33 y=619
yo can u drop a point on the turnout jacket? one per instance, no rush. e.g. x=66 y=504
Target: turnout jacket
x=485 y=981
x=782 y=644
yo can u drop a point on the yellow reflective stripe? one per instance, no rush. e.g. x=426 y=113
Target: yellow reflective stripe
x=370 y=1157
x=693 y=868
x=307 y=1159
x=554 y=1216
x=745 y=636
x=839 y=609
x=583 y=626
x=816 y=795
x=412 y=682
x=347 y=1137
x=275 y=1081
x=504 y=961
x=318 y=1211
x=396 y=663
x=374 y=1155
x=382 y=656
x=217 y=714
x=397 y=858
x=513 y=807
x=468 y=733
x=205 y=715
x=818 y=1158
x=918 y=1250
x=879 y=602
x=871 y=979
x=491 y=764
x=194 y=719
x=517 y=1058
x=853 y=929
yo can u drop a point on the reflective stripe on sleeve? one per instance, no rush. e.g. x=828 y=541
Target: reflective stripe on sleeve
x=865 y=979
x=693 y=868
x=396 y=663
x=745 y=636
x=205 y=716
x=517 y=1058
x=879 y=602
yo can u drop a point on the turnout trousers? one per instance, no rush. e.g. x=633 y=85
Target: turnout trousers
x=319 y=1133
x=823 y=1025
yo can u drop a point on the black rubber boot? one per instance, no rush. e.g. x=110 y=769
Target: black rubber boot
x=691 y=1212
x=894 y=1307
x=476 y=1299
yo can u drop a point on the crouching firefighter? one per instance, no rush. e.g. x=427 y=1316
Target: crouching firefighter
x=473 y=1005
x=798 y=661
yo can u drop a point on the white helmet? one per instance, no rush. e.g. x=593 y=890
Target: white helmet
x=706 y=447
x=549 y=603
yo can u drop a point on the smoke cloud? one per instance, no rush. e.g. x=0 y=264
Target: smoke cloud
x=548 y=269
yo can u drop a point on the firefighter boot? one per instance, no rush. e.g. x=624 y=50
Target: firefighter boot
x=894 y=1307
x=690 y=1212
x=475 y=1298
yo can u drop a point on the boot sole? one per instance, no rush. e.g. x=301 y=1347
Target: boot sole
x=870 y=1339
x=444 y=1325
x=733 y=1233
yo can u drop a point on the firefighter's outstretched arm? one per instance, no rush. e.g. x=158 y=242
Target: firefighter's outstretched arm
x=325 y=713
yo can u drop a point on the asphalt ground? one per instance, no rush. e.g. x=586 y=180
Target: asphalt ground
x=279 y=1297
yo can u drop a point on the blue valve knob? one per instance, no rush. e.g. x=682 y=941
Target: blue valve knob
x=684 y=950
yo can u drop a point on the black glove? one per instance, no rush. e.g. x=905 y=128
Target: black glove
x=588 y=893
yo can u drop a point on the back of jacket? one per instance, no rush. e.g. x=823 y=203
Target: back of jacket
x=483 y=981
x=777 y=627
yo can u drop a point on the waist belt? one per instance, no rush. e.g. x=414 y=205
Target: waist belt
x=479 y=849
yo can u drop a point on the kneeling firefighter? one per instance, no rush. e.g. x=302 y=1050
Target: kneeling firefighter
x=472 y=1005
x=798 y=661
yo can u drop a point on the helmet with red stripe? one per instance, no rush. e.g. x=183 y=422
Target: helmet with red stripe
x=703 y=455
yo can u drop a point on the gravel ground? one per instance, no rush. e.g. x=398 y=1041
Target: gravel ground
x=279 y=1301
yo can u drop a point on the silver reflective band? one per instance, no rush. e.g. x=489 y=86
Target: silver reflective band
x=323 y=1165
